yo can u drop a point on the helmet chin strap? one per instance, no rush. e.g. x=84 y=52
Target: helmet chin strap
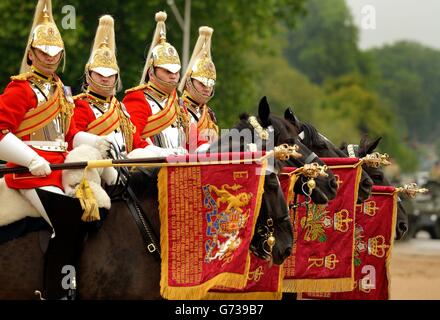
x=108 y=90
x=195 y=94
x=51 y=66
x=166 y=87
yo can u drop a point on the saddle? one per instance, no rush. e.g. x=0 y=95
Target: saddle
x=24 y=226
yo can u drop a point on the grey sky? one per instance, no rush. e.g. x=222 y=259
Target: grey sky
x=417 y=20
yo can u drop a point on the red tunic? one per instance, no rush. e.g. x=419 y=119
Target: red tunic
x=140 y=110
x=84 y=115
x=17 y=99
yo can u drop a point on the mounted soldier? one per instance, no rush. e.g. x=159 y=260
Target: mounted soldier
x=37 y=129
x=153 y=105
x=97 y=110
x=197 y=87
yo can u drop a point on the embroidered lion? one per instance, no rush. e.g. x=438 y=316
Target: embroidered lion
x=235 y=202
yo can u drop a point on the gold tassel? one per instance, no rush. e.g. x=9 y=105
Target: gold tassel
x=127 y=127
x=184 y=120
x=87 y=200
x=66 y=107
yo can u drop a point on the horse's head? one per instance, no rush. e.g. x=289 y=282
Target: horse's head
x=312 y=145
x=265 y=132
x=324 y=148
x=274 y=226
x=377 y=175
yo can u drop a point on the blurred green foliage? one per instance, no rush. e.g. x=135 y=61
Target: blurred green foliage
x=237 y=27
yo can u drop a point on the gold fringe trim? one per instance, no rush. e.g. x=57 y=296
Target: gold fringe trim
x=318 y=285
x=243 y=296
x=257 y=295
x=80 y=96
x=393 y=234
x=140 y=87
x=230 y=280
x=22 y=76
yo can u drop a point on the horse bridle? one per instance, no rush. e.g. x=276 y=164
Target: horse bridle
x=310 y=159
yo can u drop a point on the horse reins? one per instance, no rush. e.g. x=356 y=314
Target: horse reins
x=143 y=224
x=129 y=197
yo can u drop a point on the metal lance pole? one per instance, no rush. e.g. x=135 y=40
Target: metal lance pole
x=84 y=164
x=282 y=152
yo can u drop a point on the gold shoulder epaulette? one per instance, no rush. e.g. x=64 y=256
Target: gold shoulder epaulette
x=22 y=76
x=79 y=96
x=140 y=87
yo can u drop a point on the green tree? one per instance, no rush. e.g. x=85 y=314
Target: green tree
x=283 y=85
x=409 y=78
x=237 y=27
x=325 y=42
x=350 y=110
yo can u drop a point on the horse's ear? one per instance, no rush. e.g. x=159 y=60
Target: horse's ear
x=290 y=116
x=371 y=146
x=264 y=112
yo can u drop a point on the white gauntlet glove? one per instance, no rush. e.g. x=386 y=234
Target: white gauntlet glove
x=16 y=151
x=102 y=143
x=180 y=151
x=39 y=167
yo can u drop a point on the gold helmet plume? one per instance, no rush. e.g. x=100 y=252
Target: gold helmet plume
x=103 y=56
x=44 y=34
x=161 y=53
x=200 y=66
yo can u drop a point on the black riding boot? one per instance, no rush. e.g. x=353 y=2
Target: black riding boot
x=62 y=254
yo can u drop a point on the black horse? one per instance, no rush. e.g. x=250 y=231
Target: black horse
x=281 y=131
x=325 y=148
x=377 y=175
x=278 y=131
x=115 y=262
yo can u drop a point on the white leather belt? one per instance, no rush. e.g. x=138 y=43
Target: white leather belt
x=48 y=145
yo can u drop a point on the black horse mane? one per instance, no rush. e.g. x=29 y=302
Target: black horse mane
x=314 y=139
x=311 y=136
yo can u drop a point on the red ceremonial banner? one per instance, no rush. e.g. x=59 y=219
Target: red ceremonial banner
x=208 y=214
x=264 y=283
x=374 y=236
x=322 y=255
